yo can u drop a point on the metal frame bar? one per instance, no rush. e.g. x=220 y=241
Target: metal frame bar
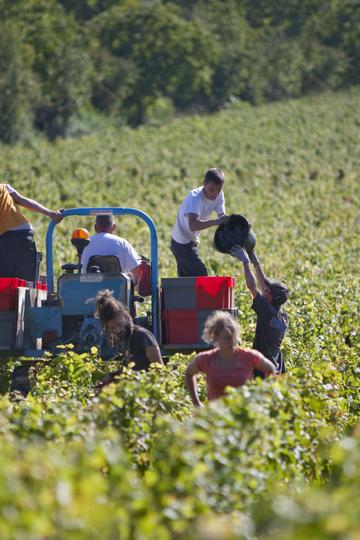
x=116 y=211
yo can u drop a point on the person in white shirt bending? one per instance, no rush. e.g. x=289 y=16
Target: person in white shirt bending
x=192 y=218
x=104 y=242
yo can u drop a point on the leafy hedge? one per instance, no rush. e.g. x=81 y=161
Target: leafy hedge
x=137 y=450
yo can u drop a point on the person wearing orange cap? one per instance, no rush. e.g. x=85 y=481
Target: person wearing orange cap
x=17 y=246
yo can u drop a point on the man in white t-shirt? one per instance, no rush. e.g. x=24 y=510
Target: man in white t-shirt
x=192 y=218
x=104 y=242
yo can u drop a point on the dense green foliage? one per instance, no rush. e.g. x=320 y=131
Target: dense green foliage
x=69 y=67
x=133 y=460
x=277 y=459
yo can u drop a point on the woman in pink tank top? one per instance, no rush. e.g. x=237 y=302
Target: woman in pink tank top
x=227 y=364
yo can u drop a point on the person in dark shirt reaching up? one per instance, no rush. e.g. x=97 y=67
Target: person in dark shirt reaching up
x=272 y=322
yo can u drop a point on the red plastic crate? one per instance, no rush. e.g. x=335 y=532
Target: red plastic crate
x=8 y=288
x=41 y=286
x=186 y=326
x=180 y=326
x=215 y=292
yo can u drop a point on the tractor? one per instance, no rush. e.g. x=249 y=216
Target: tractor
x=43 y=317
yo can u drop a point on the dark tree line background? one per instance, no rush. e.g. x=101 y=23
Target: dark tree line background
x=70 y=66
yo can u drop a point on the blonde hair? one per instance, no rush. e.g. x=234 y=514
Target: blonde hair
x=216 y=323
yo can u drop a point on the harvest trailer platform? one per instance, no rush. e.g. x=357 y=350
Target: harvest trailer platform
x=35 y=319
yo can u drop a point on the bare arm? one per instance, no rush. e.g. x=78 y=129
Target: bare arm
x=191 y=384
x=260 y=276
x=266 y=366
x=250 y=279
x=34 y=206
x=195 y=224
x=153 y=354
x=239 y=253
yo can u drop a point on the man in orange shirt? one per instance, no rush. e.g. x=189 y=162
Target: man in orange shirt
x=17 y=246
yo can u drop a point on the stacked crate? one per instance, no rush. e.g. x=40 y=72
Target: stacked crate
x=187 y=303
x=8 y=292
x=13 y=294
x=8 y=303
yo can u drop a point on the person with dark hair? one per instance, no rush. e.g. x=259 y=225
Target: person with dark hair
x=105 y=243
x=17 y=246
x=272 y=322
x=140 y=345
x=192 y=217
x=227 y=364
